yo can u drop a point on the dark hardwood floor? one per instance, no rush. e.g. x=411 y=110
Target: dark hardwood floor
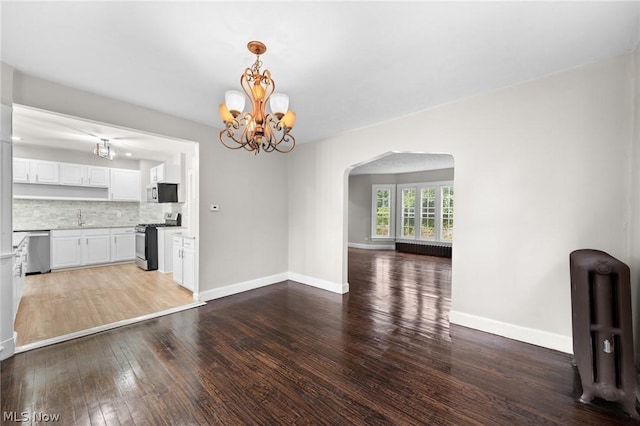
x=288 y=353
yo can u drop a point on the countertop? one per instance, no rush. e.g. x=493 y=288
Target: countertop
x=66 y=228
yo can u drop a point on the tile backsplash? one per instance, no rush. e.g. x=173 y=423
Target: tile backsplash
x=52 y=214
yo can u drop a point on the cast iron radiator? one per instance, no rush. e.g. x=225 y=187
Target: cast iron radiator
x=602 y=333
x=426 y=249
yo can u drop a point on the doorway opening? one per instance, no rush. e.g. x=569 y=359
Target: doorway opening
x=399 y=233
x=91 y=208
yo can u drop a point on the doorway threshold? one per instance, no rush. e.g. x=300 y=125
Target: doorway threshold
x=105 y=327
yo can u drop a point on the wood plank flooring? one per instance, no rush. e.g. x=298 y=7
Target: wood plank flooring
x=289 y=353
x=64 y=302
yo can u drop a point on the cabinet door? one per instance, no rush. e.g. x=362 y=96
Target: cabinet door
x=125 y=185
x=72 y=174
x=20 y=170
x=188 y=268
x=65 y=252
x=44 y=172
x=97 y=176
x=123 y=247
x=177 y=263
x=96 y=249
x=153 y=175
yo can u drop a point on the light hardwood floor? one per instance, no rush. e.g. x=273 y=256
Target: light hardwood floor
x=64 y=302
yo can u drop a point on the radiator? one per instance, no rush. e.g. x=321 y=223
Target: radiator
x=602 y=333
x=426 y=249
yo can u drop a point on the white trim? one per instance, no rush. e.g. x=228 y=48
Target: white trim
x=319 y=283
x=105 y=327
x=534 y=336
x=241 y=287
x=372 y=246
x=6 y=255
x=7 y=348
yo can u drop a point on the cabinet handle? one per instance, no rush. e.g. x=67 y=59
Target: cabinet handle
x=37 y=178
x=27 y=177
x=86 y=241
x=78 y=241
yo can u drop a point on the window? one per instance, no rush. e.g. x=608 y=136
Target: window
x=383 y=205
x=446 y=197
x=408 y=203
x=424 y=212
x=428 y=213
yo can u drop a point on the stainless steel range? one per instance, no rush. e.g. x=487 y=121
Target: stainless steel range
x=147 y=241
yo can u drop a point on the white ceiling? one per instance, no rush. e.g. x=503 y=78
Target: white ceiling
x=43 y=128
x=345 y=65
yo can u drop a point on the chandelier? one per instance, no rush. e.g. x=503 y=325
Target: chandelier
x=257 y=129
x=104 y=150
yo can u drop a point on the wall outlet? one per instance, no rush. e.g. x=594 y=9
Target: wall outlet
x=214 y=207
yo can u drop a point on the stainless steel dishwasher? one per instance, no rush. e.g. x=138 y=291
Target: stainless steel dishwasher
x=39 y=253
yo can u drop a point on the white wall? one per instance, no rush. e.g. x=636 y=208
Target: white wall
x=6 y=247
x=247 y=238
x=539 y=172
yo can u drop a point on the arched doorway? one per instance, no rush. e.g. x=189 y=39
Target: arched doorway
x=399 y=236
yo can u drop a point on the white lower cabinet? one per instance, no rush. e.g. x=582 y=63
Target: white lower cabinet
x=96 y=246
x=78 y=247
x=123 y=244
x=184 y=261
x=66 y=248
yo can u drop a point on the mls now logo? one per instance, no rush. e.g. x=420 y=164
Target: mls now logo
x=26 y=417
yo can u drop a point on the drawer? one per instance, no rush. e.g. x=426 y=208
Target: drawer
x=189 y=242
x=90 y=232
x=122 y=231
x=66 y=233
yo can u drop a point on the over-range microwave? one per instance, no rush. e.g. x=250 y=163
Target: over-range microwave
x=162 y=193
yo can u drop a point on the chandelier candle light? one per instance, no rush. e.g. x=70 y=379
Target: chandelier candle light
x=257 y=129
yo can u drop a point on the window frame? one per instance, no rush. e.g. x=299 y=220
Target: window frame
x=418 y=212
x=374 y=211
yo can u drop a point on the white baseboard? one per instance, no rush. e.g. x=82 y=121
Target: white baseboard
x=240 y=287
x=372 y=246
x=534 y=336
x=319 y=283
x=7 y=348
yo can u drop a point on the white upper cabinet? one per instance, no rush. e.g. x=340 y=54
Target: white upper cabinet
x=72 y=174
x=44 y=172
x=165 y=173
x=71 y=181
x=20 y=170
x=125 y=185
x=97 y=176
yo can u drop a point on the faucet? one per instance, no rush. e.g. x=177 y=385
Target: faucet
x=80 y=221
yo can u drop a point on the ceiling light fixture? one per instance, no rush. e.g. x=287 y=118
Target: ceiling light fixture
x=257 y=129
x=104 y=150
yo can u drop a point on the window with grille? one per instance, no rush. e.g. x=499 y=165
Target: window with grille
x=383 y=211
x=424 y=211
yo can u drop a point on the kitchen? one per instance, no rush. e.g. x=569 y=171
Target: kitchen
x=108 y=212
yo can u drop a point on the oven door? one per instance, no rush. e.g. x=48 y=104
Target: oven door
x=141 y=250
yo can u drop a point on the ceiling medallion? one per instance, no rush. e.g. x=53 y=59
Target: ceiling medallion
x=256 y=129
